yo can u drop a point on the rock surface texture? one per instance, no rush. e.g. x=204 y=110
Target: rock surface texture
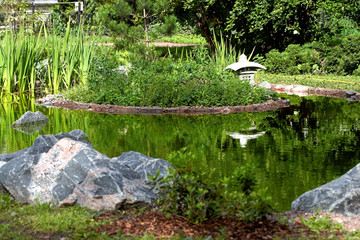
x=30 y=117
x=30 y=122
x=341 y=195
x=65 y=169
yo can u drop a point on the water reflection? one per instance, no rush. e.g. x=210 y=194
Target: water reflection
x=295 y=149
x=244 y=137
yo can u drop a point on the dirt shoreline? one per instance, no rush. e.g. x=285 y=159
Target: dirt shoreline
x=54 y=101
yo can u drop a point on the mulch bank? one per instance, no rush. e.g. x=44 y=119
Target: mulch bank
x=184 y=110
x=162 y=227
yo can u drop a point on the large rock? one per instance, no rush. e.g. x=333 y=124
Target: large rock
x=43 y=143
x=65 y=169
x=143 y=164
x=341 y=195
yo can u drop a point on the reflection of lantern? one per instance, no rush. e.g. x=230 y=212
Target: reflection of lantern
x=245 y=69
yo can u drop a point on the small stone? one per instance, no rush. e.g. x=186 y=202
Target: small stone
x=265 y=85
x=30 y=117
x=13 y=214
x=350 y=93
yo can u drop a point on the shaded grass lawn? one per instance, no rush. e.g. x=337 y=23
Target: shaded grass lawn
x=318 y=81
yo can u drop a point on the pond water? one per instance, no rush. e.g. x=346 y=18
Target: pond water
x=294 y=149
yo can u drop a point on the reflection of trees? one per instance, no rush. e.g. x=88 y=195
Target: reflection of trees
x=310 y=143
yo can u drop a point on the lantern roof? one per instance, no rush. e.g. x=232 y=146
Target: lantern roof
x=244 y=63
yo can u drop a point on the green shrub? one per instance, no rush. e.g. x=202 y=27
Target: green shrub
x=194 y=81
x=197 y=196
x=318 y=223
x=357 y=71
x=336 y=55
x=294 y=60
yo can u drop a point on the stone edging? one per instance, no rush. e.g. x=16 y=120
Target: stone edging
x=300 y=90
x=59 y=102
x=54 y=101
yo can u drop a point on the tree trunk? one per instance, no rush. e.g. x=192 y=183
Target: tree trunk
x=146 y=29
x=204 y=27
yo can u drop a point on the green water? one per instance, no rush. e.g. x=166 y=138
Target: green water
x=297 y=149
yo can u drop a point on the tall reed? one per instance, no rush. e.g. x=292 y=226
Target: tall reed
x=86 y=57
x=64 y=61
x=19 y=53
x=225 y=54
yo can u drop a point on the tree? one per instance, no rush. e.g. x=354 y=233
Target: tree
x=268 y=24
x=129 y=19
x=13 y=13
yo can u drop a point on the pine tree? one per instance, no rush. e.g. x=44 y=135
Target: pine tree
x=128 y=20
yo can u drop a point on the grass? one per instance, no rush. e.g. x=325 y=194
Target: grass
x=185 y=39
x=18 y=221
x=318 y=81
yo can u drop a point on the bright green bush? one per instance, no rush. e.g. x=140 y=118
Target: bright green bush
x=168 y=83
x=197 y=196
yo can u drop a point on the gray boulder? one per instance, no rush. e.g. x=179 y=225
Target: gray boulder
x=341 y=195
x=143 y=164
x=43 y=143
x=65 y=169
x=30 y=117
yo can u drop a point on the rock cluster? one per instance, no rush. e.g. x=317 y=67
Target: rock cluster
x=65 y=169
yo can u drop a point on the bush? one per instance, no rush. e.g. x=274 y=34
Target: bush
x=198 y=197
x=169 y=83
x=294 y=60
x=336 y=55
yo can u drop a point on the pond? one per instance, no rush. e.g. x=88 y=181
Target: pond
x=294 y=149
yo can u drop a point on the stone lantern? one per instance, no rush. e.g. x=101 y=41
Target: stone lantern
x=245 y=69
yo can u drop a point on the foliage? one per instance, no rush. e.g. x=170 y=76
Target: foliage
x=318 y=222
x=19 y=54
x=56 y=62
x=18 y=220
x=198 y=197
x=182 y=33
x=272 y=24
x=294 y=60
x=336 y=56
x=185 y=39
x=13 y=15
x=128 y=22
x=194 y=81
x=319 y=81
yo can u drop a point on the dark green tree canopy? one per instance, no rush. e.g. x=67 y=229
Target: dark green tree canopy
x=269 y=24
